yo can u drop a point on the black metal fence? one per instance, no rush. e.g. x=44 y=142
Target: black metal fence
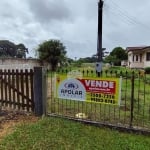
x=133 y=113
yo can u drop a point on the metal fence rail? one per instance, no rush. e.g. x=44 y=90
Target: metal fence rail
x=133 y=112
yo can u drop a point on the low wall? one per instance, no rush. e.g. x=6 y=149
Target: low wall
x=19 y=63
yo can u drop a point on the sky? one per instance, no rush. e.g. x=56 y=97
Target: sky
x=126 y=23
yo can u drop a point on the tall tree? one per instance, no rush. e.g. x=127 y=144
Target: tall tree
x=52 y=51
x=9 y=49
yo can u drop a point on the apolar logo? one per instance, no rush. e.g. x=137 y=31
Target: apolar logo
x=72 y=89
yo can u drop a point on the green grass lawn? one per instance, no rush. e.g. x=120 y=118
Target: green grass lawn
x=59 y=134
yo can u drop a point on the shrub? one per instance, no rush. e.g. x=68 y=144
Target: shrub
x=147 y=70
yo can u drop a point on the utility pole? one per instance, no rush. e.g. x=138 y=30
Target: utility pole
x=99 y=39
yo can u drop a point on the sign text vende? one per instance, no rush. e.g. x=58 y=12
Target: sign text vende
x=103 y=86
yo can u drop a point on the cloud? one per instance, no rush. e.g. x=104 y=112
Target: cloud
x=47 y=11
x=125 y=23
x=79 y=49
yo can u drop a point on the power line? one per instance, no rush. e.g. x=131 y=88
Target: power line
x=121 y=17
x=119 y=13
x=114 y=8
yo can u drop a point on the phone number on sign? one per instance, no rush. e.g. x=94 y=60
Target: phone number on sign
x=103 y=98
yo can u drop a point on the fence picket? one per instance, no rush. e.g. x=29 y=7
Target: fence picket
x=9 y=89
x=31 y=90
x=13 y=85
x=5 y=78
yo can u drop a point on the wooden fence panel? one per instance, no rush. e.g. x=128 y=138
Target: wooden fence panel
x=17 y=89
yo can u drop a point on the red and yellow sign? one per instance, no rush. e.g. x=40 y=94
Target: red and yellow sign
x=98 y=90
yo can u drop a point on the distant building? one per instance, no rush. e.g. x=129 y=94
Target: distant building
x=124 y=63
x=138 y=57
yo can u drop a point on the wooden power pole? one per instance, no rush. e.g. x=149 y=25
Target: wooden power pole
x=99 y=39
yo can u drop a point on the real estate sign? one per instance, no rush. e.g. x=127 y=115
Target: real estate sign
x=89 y=89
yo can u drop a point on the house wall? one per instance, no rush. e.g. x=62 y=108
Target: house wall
x=146 y=63
x=19 y=63
x=137 y=65
x=141 y=62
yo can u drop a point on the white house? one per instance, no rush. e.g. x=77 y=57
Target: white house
x=138 y=57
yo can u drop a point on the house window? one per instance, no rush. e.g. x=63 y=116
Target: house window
x=133 y=58
x=148 y=56
x=136 y=57
x=140 y=57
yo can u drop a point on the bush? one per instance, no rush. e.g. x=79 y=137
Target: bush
x=147 y=70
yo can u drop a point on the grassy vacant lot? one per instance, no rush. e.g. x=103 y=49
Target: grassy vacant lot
x=113 y=114
x=58 y=134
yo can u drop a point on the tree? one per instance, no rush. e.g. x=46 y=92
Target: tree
x=116 y=56
x=52 y=51
x=21 y=51
x=9 y=49
x=110 y=59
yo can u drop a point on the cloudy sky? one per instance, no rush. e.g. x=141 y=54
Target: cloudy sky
x=74 y=22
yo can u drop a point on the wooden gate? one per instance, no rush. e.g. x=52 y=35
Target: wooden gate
x=16 y=88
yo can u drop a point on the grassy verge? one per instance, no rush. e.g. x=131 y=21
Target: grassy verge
x=59 y=134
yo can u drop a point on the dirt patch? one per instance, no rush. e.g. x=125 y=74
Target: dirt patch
x=10 y=118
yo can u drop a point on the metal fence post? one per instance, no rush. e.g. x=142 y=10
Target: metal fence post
x=132 y=98
x=39 y=91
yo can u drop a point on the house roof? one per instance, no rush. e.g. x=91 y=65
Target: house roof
x=137 y=48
